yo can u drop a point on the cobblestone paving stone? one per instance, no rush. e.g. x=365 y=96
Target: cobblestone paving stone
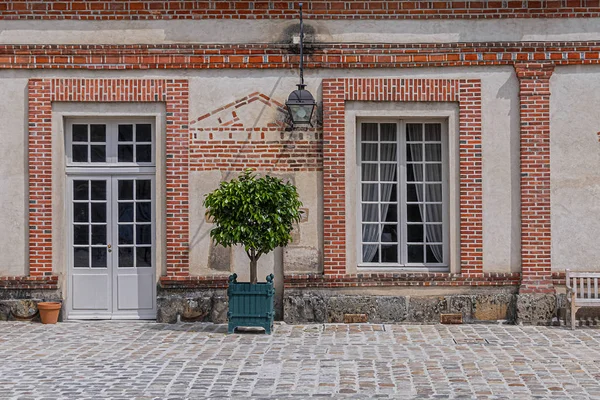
x=129 y=360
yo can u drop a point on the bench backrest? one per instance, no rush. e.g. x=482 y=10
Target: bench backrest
x=584 y=285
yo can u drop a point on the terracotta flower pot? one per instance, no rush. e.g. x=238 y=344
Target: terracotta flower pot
x=49 y=312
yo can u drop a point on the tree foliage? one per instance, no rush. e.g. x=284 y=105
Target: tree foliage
x=255 y=212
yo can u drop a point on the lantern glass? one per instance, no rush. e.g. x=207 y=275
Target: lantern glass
x=301 y=106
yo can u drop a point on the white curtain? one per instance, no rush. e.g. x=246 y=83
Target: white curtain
x=388 y=174
x=432 y=192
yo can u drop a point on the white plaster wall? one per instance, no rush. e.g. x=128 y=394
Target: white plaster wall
x=273 y=31
x=13 y=171
x=575 y=167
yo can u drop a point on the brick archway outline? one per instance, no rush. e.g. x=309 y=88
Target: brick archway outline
x=42 y=93
x=465 y=92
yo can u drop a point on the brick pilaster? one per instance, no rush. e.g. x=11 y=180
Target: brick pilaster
x=534 y=92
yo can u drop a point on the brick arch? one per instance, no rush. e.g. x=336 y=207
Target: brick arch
x=465 y=92
x=42 y=92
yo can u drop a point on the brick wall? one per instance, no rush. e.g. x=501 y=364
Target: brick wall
x=42 y=93
x=467 y=93
x=314 y=9
x=534 y=94
x=276 y=56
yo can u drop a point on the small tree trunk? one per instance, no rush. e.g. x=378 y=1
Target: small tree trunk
x=253 y=262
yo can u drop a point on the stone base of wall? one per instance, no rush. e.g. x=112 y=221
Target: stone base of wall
x=323 y=306
x=174 y=305
x=21 y=304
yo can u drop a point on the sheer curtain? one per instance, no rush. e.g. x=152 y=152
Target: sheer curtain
x=433 y=233
x=388 y=174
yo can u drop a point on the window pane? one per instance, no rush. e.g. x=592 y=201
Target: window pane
x=389 y=233
x=98 y=212
x=368 y=132
x=98 y=234
x=369 y=213
x=125 y=190
x=370 y=253
x=433 y=132
x=98 y=133
x=414 y=233
x=98 y=190
x=388 y=132
x=414 y=152
x=370 y=233
x=414 y=192
x=80 y=190
x=434 y=212
x=143 y=153
x=414 y=172
x=143 y=189
x=143 y=234
x=415 y=253
x=389 y=254
x=434 y=192
x=143 y=133
x=125 y=234
x=389 y=212
x=369 y=192
x=414 y=132
x=369 y=152
x=98 y=153
x=81 y=234
x=81 y=257
x=125 y=257
x=435 y=254
x=80 y=133
x=125 y=153
x=125 y=212
x=388 y=151
x=433 y=152
x=98 y=257
x=125 y=133
x=433 y=172
x=413 y=213
x=80 y=153
x=80 y=212
x=369 y=172
x=144 y=256
x=389 y=192
x=388 y=172
x=143 y=212
x=434 y=233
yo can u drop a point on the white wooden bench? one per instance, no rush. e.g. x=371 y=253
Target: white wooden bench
x=582 y=291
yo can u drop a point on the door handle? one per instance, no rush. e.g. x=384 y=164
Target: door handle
x=109 y=248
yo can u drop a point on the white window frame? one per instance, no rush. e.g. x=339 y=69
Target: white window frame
x=112 y=126
x=402 y=263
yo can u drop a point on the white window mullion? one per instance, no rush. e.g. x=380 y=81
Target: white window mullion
x=402 y=193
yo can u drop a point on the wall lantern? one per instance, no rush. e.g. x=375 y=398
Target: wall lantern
x=301 y=104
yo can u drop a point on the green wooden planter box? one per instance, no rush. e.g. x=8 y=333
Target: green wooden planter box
x=250 y=304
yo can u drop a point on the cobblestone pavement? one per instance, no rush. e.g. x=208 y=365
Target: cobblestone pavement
x=147 y=360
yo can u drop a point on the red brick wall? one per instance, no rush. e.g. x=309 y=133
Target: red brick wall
x=314 y=9
x=261 y=56
x=534 y=92
x=42 y=93
x=467 y=93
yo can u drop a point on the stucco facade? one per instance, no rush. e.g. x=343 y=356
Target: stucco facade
x=514 y=94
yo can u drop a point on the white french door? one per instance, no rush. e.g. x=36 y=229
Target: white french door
x=111 y=246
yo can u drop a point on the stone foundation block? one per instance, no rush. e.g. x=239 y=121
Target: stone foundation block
x=536 y=308
x=192 y=305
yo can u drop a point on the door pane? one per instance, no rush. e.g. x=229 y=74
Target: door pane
x=80 y=212
x=143 y=212
x=125 y=212
x=144 y=256
x=81 y=234
x=143 y=234
x=81 y=257
x=98 y=212
x=125 y=234
x=125 y=257
x=98 y=234
x=98 y=257
x=98 y=190
x=143 y=189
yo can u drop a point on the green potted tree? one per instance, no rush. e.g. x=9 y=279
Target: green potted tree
x=257 y=213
